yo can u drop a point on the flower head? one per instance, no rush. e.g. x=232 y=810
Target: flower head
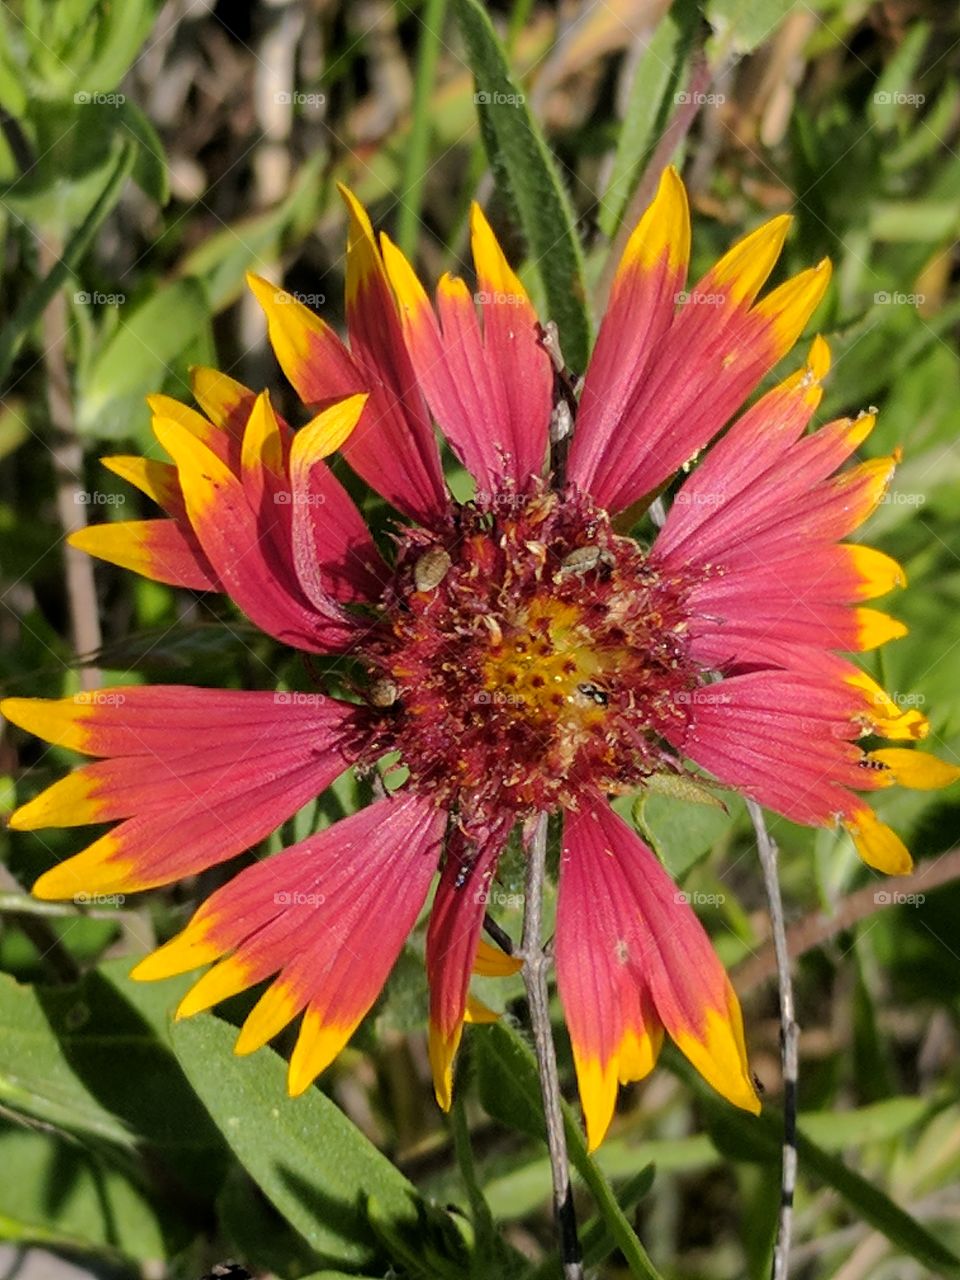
x=517 y=653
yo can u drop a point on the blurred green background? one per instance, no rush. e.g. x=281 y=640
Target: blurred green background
x=150 y=155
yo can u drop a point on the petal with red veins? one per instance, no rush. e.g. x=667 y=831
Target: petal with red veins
x=640 y=310
x=333 y=551
x=452 y=940
x=198 y=775
x=632 y=958
x=678 y=406
x=328 y=917
x=394 y=448
x=158 y=549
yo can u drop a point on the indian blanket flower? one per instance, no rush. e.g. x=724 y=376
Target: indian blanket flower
x=518 y=653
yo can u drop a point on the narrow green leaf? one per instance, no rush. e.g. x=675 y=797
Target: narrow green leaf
x=651 y=99
x=33 y=306
x=759 y=1138
x=121 y=30
x=148 y=349
x=150 y=170
x=892 y=90
x=319 y=1171
x=510 y=1092
x=535 y=190
x=740 y=25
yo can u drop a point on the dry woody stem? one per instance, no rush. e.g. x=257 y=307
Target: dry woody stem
x=789 y=1037
x=535 y=964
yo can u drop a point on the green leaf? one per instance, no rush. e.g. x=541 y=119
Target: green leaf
x=36 y=1078
x=326 y=1179
x=680 y=832
x=60 y=1048
x=150 y=170
x=534 y=186
x=510 y=1092
x=655 y=81
x=887 y=101
x=64 y=1196
x=120 y=31
x=740 y=25
x=34 y=304
x=149 y=350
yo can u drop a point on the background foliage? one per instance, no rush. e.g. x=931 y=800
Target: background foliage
x=153 y=153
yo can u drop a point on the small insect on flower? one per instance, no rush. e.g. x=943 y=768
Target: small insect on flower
x=585 y=559
x=383 y=692
x=525 y=657
x=431 y=568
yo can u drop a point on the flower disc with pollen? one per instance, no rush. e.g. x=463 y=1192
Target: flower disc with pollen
x=533 y=652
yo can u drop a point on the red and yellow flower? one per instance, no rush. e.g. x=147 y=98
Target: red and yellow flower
x=519 y=653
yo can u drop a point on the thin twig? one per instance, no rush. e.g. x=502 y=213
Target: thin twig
x=535 y=963
x=789 y=1035
x=66 y=453
x=817 y=928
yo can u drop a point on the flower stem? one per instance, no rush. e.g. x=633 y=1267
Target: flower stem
x=789 y=1037
x=535 y=963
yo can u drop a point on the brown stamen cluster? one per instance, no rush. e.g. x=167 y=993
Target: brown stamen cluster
x=528 y=652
